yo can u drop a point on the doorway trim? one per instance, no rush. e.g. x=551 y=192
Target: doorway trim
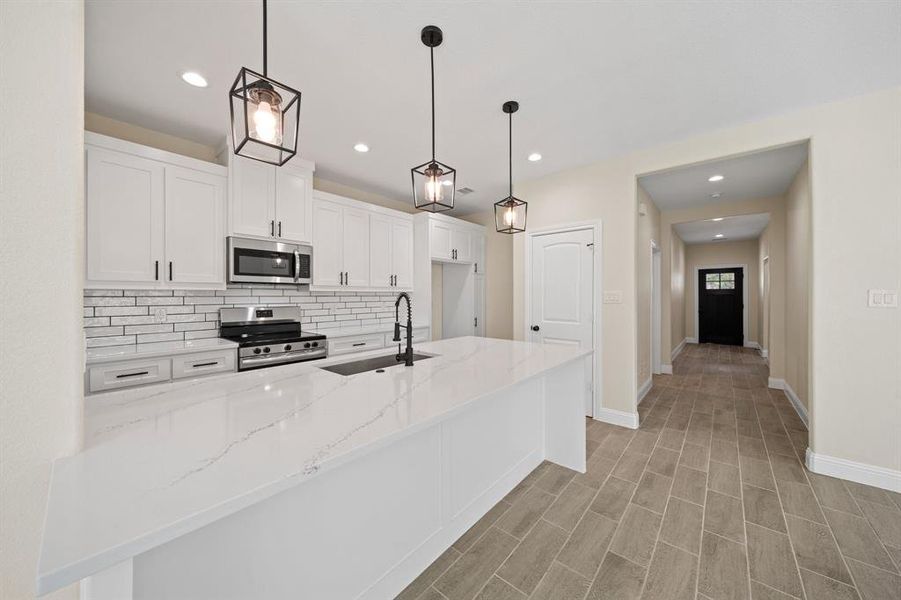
x=595 y=226
x=765 y=326
x=656 y=333
x=744 y=299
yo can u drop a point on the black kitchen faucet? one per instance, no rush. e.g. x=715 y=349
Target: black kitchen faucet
x=407 y=355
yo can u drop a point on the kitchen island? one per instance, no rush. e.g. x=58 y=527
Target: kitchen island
x=297 y=482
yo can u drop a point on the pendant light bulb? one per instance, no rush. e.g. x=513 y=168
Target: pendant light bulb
x=264 y=123
x=508 y=216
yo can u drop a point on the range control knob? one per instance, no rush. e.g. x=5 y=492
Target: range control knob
x=315 y=344
x=306 y=345
x=256 y=351
x=287 y=347
x=266 y=349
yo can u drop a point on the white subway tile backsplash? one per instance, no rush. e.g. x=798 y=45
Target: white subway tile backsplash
x=123 y=317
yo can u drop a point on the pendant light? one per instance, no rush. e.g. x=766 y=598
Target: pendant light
x=265 y=114
x=510 y=213
x=433 y=181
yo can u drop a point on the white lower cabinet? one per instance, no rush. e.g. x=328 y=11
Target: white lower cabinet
x=112 y=376
x=357 y=343
x=193 y=365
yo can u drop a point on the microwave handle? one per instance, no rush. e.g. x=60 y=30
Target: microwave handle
x=296 y=265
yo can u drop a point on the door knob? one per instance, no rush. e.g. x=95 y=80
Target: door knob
x=535 y=327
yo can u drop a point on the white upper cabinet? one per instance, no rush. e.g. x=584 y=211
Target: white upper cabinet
x=148 y=209
x=440 y=240
x=360 y=246
x=124 y=204
x=478 y=254
x=195 y=222
x=252 y=204
x=402 y=253
x=270 y=202
x=461 y=243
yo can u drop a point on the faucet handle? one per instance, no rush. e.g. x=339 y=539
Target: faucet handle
x=396 y=332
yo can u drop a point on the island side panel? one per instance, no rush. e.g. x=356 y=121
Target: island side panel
x=566 y=390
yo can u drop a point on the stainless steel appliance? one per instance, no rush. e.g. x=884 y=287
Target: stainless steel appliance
x=264 y=261
x=269 y=336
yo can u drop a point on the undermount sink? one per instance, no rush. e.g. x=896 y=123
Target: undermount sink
x=370 y=364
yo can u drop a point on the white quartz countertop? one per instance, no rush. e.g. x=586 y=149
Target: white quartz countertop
x=166 y=460
x=156 y=349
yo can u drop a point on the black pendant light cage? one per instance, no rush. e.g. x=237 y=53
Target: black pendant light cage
x=265 y=114
x=510 y=213
x=434 y=183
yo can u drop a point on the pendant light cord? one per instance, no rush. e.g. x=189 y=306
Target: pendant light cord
x=432 y=60
x=511 y=155
x=265 y=40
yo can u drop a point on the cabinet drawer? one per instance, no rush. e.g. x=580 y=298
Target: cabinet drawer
x=203 y=363
x=125 y=374
x=358 y=343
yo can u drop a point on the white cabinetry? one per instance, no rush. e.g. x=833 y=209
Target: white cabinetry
x=359 y=246
x=154 y=219
x=270 y=202
x=450 y=239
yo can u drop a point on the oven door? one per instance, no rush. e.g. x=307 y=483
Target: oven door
x=257 y=261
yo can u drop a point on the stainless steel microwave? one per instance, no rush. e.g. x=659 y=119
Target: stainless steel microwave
x=263 y=261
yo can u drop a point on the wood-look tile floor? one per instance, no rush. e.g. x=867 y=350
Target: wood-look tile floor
x=708 y=499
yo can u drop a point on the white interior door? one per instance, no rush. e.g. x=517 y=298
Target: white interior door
x=655 y=310
x=562 y=290
x=195 y=226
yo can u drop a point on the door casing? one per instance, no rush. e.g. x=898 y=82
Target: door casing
x=597 y=273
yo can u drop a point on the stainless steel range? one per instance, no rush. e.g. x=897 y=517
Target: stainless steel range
x=269 y=336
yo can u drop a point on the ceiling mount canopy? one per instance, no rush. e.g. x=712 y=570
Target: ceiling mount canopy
x=265 y=114
x=434 y=183
x=510 y=213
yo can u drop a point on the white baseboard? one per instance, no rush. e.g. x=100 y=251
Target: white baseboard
x=887 y=479
x=754 y=345
x=796 y=403
x=644 y=389
x=677 y=350
x=691 y=340
x=776 y=384
x=618 y=417
x=666 y=369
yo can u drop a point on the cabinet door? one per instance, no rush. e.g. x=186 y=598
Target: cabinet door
x=402 y=253
x=478 y=254
x=124 y=218
x=380 y=246
x=293 y=207
x=252 y=197
x=440 y=240
x=328 y=233
x=479 y=305
x=356 y=247
x=461 y=241
x=195 y=227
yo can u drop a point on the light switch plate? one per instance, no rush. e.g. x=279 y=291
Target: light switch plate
x=882 y=298
x=615 y=297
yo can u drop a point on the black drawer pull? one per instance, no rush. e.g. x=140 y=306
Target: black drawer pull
x=123 y=375
x=206 y=364
x=360 y=344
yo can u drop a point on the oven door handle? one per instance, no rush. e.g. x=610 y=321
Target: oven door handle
x=296 y=264
x=281 y=357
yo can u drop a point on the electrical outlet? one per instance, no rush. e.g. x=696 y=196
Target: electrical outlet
x=615 y=297
x=159 y=315
x=882 y=298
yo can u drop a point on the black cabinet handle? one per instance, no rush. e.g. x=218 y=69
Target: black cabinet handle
x=535 y=327
x=156 y=270
x=360 y=344
x=206 y=364
x=124 y=375
x=272 y=228
x=170 y=270
x=279 y=229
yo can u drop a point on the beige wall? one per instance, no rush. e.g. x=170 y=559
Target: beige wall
x=648 y=230
x=42 y=204
x=797 y=284
x=743 y=252
x=675 y=266
x=856 y=244
x=498 y=278
x=772 y=240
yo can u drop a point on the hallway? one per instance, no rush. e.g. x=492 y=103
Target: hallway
x=708 y=499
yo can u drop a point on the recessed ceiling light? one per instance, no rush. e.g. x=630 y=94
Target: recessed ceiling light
x=195 y=79
x=361 y=147
x=716 y=195
x=715 y=178
x=719 y=235
x=717 y=219
x=534 y=157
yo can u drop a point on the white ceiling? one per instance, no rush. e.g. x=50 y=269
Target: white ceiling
x=762 y=174
x=594 y=79
x=744 y=227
